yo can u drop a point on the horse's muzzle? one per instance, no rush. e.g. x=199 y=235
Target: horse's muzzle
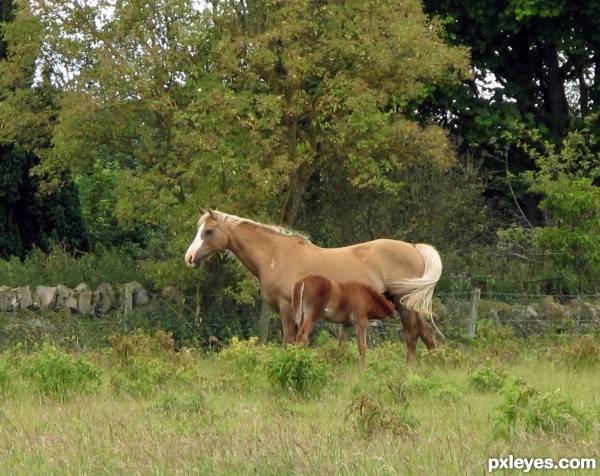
x=193 y=261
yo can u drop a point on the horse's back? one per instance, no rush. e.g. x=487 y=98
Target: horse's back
x=374 y=262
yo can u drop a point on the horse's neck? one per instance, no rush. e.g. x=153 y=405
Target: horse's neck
x=253 y=246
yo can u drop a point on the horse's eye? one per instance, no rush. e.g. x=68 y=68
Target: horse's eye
x=208 y=232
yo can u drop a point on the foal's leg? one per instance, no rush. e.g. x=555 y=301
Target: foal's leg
x=361 y=337
x=307 y=326
x=410 y=329
x=342 y=334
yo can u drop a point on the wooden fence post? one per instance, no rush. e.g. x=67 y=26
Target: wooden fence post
x=128 y=300
x=475 y=296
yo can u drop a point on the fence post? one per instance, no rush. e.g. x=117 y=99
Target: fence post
x=475 y=296
x=128 y=300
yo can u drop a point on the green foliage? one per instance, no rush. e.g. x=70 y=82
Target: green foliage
x=565 y=251
x=488 y=379
x=62 y=267
x=524 y=408
x=434 y=386
x=338 y=357
x=145 y=362
x=371 y=416
x=446 y=356
x=297 y=370
x=6 y=373
x=59 y=375
x=245 y=357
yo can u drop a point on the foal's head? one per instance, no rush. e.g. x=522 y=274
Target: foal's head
x=381 y=306
x=210 y=238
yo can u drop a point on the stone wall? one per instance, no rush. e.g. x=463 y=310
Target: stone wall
x=82 y=299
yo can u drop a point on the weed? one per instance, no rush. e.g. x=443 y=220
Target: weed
x=445 y=356
x=338 y=356
x=6 y=374
x=419 y=385
x=297 y=370
x=171 y=404
x=141 y=344
x=582 y=351
x=145 y=361
x=59 y=375
x=488 y=379
x=371 y=416
x=523 y=407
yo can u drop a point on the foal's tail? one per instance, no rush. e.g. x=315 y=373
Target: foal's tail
x=297 y=302
x=418 y=292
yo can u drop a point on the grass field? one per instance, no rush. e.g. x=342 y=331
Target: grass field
x=139 y=407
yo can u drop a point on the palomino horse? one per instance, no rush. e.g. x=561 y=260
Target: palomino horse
x=349 y=303
x=406 y=272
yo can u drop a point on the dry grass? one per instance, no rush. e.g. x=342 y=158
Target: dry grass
x=215 y=421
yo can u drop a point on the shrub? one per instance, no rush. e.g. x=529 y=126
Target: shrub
x=59 y=375
x=523 y=407
x=297 y=370
x=244 y=357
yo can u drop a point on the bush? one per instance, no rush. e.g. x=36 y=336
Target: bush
x=297 y=370
x=523 y=407
x=243 y=356
x=59 y=375
x=488 y=379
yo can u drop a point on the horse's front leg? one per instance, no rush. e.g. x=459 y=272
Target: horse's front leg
x=289 y=327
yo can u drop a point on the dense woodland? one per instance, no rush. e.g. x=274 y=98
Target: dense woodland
x=472 y=126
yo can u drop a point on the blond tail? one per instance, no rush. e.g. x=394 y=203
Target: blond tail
x=418 y=292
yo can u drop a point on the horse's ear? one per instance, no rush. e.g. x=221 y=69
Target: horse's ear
x=211 y=213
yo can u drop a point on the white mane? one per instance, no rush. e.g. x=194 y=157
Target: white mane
x=232 y=221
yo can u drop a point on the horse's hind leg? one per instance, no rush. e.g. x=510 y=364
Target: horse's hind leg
x=425 y=332
x=289 y=327
x=410 y=329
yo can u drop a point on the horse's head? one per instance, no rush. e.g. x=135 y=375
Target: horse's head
x=210 y=238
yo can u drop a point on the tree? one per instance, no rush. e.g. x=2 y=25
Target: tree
x=534 y=64
x=29 y=215
x=310 y=83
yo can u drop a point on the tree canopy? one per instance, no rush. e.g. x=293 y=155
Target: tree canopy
x=350 y=120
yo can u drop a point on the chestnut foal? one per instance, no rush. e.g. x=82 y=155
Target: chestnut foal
x=348 y=303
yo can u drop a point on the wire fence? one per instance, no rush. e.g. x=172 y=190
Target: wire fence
x=211 y=320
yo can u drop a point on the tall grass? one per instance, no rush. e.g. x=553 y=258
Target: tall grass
x=213 y=414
